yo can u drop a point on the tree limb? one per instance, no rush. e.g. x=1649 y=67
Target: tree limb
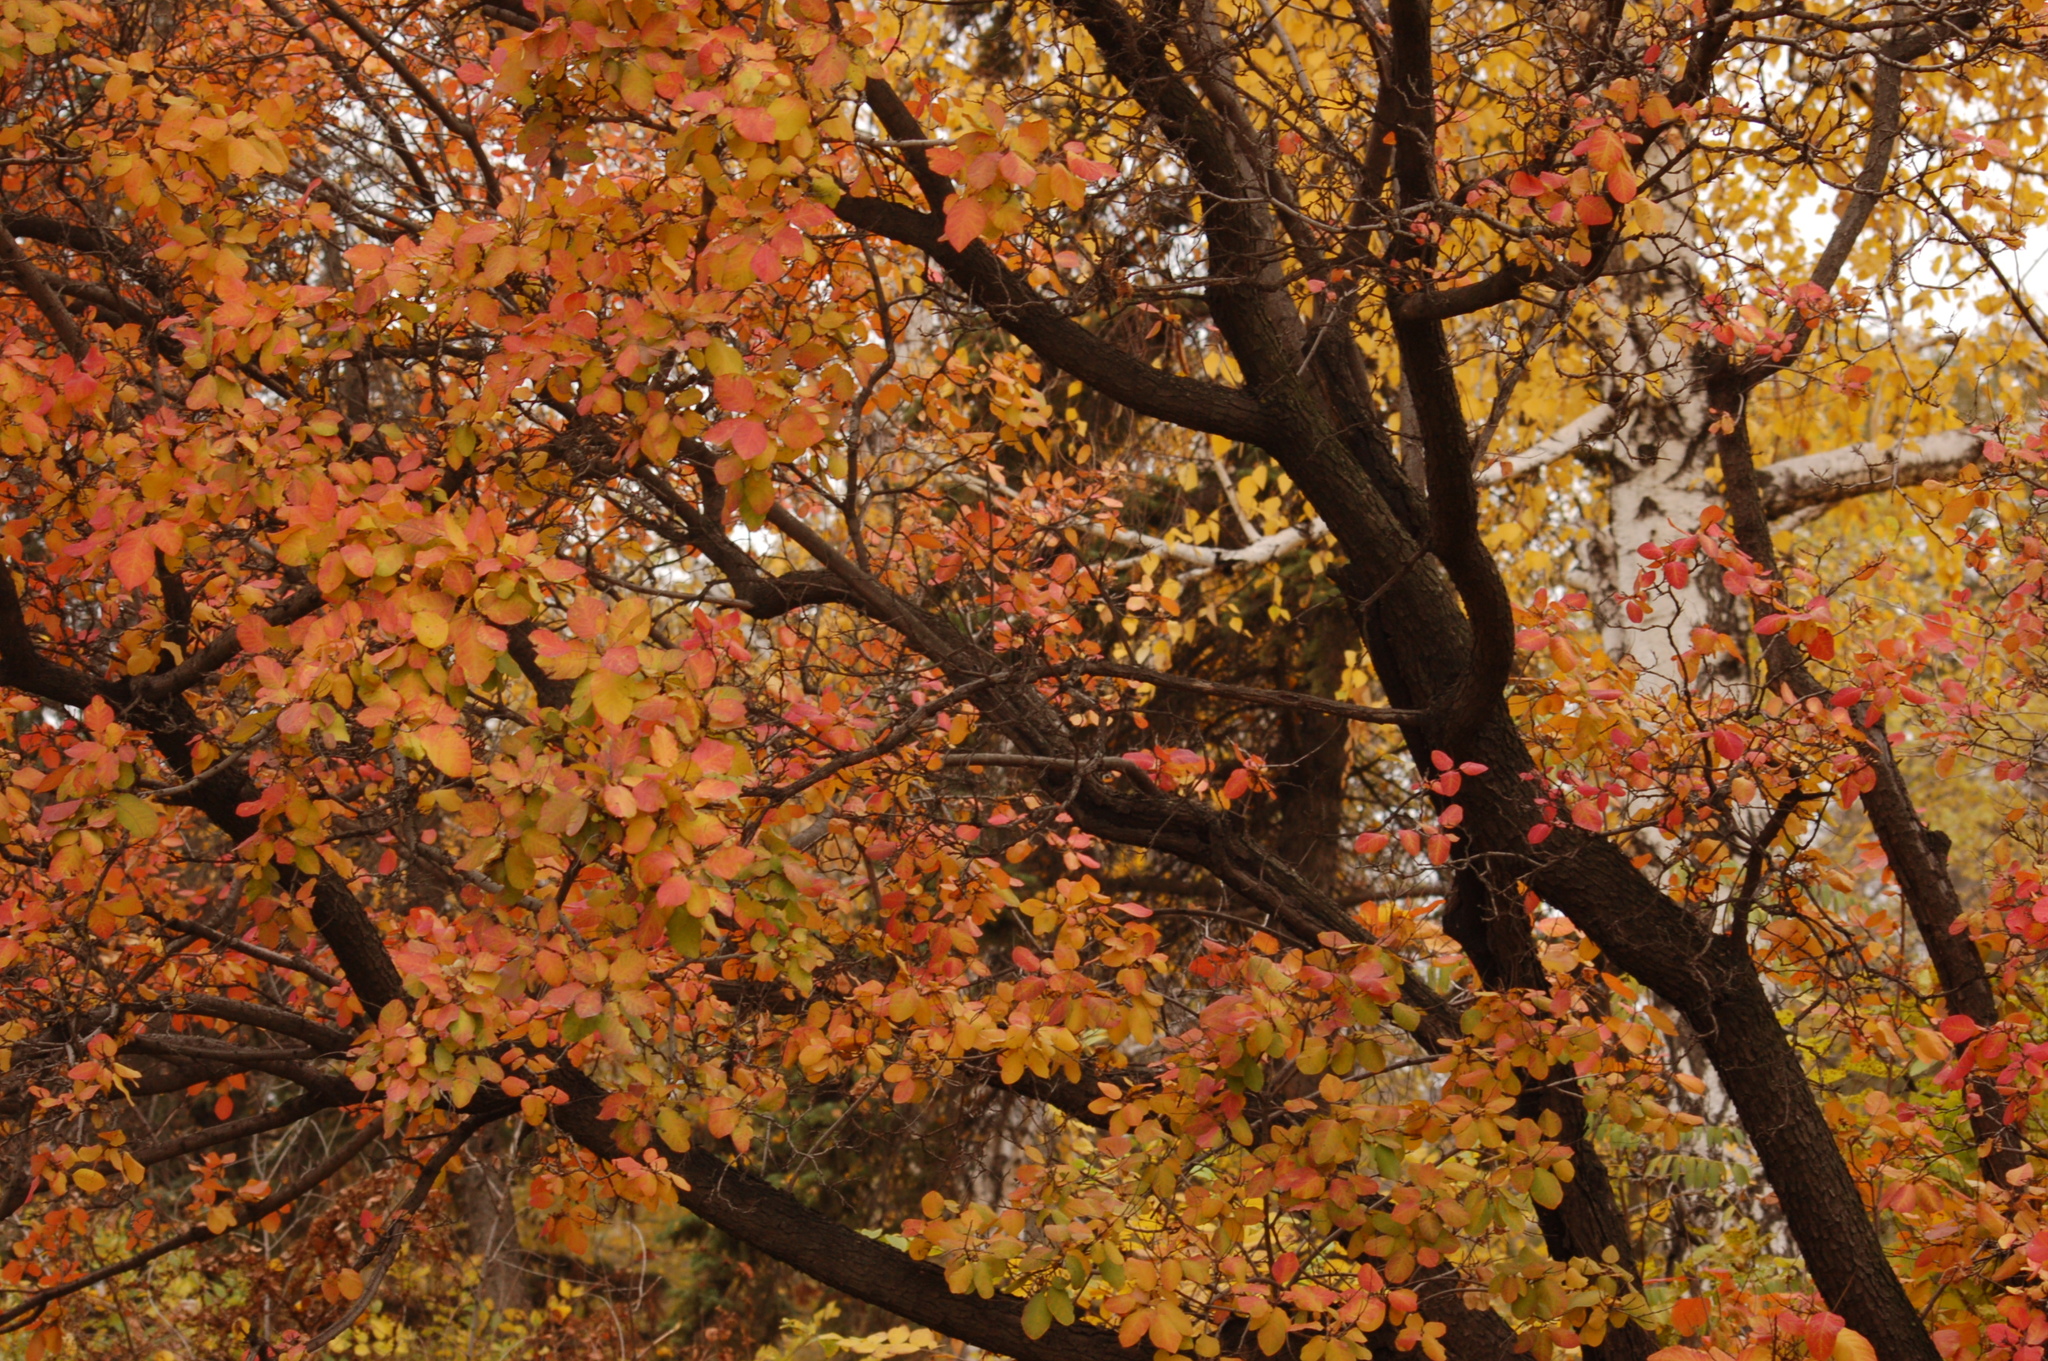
x=31 y=282
x=1835 y=475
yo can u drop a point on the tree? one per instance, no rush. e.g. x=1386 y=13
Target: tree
x=710 y=581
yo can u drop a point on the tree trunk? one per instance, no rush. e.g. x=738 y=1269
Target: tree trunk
x=483 y=1196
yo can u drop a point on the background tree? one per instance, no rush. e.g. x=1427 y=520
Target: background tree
x=1192 y=679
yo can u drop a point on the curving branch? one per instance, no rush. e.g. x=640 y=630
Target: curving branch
x=1430 y=372
x=300 y=1107
x=1013 y=304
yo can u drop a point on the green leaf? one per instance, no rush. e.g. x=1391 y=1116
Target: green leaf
x=686 y=933
x=137 y=816
x=1037 y=1316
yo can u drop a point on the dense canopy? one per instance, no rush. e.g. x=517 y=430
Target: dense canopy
x=1098 y=679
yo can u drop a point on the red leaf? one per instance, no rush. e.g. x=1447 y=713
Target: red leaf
x=1079 y=164
x=734 y=392
x=1820 y=1333
x=1960 y=1029
x=748 y=438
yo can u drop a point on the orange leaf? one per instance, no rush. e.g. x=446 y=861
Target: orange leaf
x=965 y=217
x=133 y=560
x=1604 y=149
x=756 y=125
x=448 y=749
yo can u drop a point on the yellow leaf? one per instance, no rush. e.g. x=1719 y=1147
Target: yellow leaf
x=430 y=628
x=636 y=86
x=611 y=695
x=791 y=116
x=244 y=157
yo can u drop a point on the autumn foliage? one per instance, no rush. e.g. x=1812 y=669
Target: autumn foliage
x=1224 y=678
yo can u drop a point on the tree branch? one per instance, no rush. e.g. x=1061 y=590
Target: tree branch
x=210 y=1136
x=1015 y=306
x=31 y=282
x=1573 y=436
x=1248 y=694
x=1834 y=475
